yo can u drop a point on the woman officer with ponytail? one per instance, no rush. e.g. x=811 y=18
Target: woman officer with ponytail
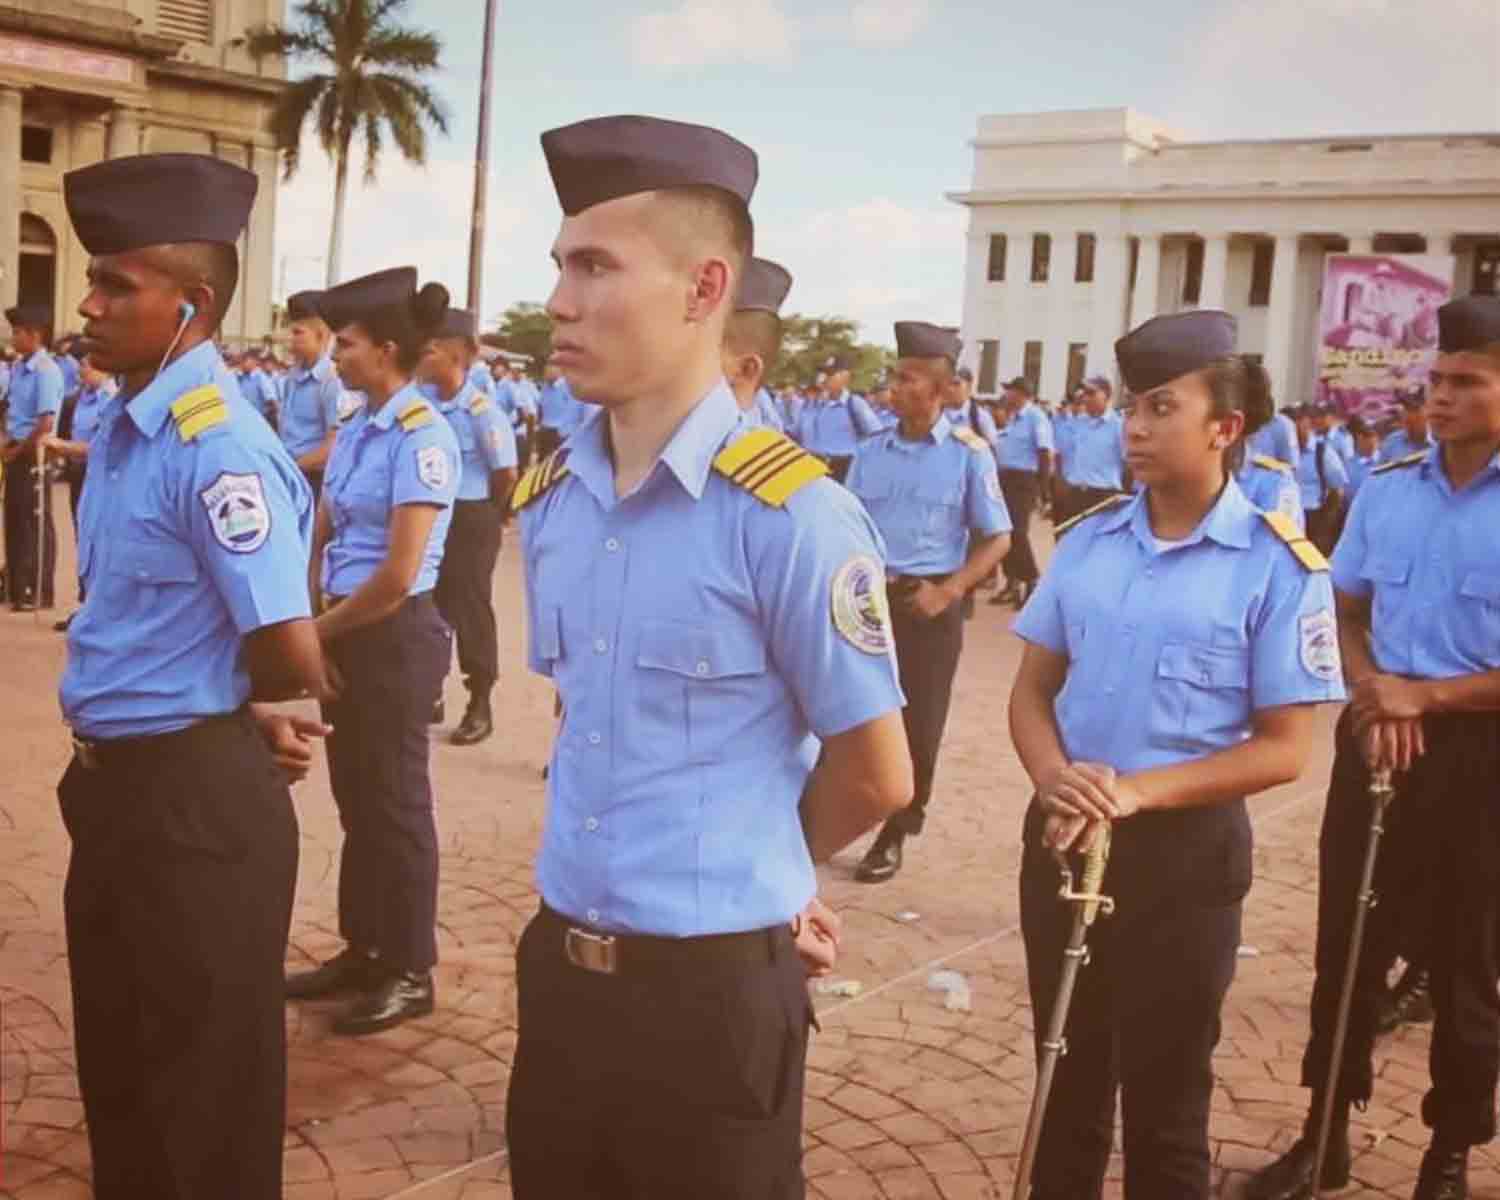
x=386 y=506
x=1175 y=649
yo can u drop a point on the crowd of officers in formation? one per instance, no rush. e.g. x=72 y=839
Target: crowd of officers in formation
x=752 y=608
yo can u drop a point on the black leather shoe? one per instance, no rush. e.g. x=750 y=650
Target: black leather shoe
x=1408 y=1003
x=62 y=626
x=1290 y=1176
x=478 y=723
x=396 y=998
x=1444 y=1175
x=349 y=971
x=439 y=714
x=883 y=859
x=1006 y=595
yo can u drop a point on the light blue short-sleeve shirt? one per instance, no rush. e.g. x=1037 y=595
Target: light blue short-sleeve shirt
x=832 y=427
x=700 y=641
x=309 y=407
x=1309 y=484
x=486 y=440
x=1022 y=441
x=1277 y=439
x=1094 y=453
x=1271 y=486
x=36 y=391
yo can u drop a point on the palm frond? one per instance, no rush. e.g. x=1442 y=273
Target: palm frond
x=290 y=115
x=411 y=49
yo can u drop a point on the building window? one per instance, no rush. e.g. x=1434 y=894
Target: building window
x=1260 y=274
x=996 y=271
x=36 y=144
x=1078 y=357
x=1083 y=272
x=1192 y=273
x=989 y=367
x=1041 y=257
x=1487 y=269
x=187 y=20
x=1032 y=365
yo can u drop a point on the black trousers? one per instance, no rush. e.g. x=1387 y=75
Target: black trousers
x=672 y=1084
x=464 y=584
x=1145 y=1016
x=378 y=766
x=1438 y=882
x=523 y=450
x=1021 y=490
x=21 y=542
x=177 y=905
x=926 y=659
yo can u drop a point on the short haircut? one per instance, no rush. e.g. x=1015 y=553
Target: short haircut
x=195 y=264
x=705 y=220
x=754 y=331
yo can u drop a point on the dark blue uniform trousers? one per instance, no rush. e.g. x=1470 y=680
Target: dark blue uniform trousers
x=926 y=659
x=177 y=904
x=378 y=766
x=463 y=591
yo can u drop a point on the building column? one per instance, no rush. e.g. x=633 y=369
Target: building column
x=1215 y=270
x=124 y=132
x=1060 y=286
x=1143 y=299
x=1111 y=260
x=1279 y=316
x=10 y=194
x=260 y=243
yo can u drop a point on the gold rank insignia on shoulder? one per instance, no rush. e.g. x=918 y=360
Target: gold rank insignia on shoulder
x=969 y=438
x=1271 y=464
x=1410 y=460
x=1092 y=511
x=769 y=465
x=197 y=410
x=539 y=480
x=480 y=403
x=414 y=416
x=1289 y=532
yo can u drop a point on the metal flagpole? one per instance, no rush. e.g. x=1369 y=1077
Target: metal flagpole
x=482 y=161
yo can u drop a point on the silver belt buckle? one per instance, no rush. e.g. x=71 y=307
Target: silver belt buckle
x=596 y=952
x=86 y=754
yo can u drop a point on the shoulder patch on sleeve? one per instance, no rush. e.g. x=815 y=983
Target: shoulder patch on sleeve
x=480 y=403
x=1093 y=511
x=860 y=611
x=1272 y=464
x=1286 y=529
x=414 y=416
x=539 y=480
x=969 y=438
x=197 y=410
x=1395 y=464
x=768 y=465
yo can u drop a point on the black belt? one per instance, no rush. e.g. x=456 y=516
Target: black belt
x=619 y=953
x=905 y=583
x=94 y=754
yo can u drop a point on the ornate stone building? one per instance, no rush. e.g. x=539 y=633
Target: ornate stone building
x=80 y=82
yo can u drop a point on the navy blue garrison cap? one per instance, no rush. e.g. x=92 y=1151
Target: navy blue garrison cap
x=605 y=158
x=302 y=305
x=457 y=323
x=917 y=339
x=1167 y=347
x=32 y=316
x=156 y=200
x=1471 y=323
x=387 y=297
x=764 y=286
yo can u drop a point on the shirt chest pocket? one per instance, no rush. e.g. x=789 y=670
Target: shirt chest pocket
x=941 y=506
x=1200 y=698
x=142 y=574
x=697 y=688
x=1477 y=629
x=1390 y=576
x=463 y=429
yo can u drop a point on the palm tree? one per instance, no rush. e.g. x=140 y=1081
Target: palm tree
x=371 y=83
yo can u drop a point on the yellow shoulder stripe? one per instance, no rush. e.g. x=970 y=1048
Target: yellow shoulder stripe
x=1286 y=529
x=539 y=480
x=969 y=438
x=1410 y=460
x=1272 y=464
x=480 y=403
x=414 y=416
x=197 y=410
x=1102 y=506
x=768 y=465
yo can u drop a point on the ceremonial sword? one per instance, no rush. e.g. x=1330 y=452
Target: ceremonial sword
x=40 y=471
x=1088 y=903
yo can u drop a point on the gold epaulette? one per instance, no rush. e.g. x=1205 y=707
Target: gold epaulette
x=969 y=438
x=1093 y=510
x=414 y=415
x=768 y=465
x=480 y=403
x=200 y=409
x=1272 y=464
x=1287 y=530
x=1410 y=460
x=539 y=480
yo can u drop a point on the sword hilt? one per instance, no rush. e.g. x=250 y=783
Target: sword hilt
x=1087 y=895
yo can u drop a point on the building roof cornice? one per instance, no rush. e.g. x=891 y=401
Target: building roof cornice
x=1382 y=190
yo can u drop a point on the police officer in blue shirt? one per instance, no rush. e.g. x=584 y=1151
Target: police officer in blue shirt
x=1413 y=437
x=71 y=444
x=831 y=424
x=1364 y=456
x=932 y=490
x=36 y=398
x=708 y=605
x=752 y=340
x=313 y=402
x=386 y=507
x=487 y=444
x=1269 y=483
x=193 y=540
x=1092 y=451
x=1175 y=650
x=1275 y=439
x=559 y=412
x=1417 y=575
x=1322 y=481
x=963 y=409
x=1024 y=454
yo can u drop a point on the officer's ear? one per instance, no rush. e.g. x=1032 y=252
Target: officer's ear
x=711 y=286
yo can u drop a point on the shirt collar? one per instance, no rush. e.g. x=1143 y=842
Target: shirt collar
x=149 y=407
x=385 y=417
x=1228 y=522
x=937 y=435
x=461 y=398
x=1431 y=468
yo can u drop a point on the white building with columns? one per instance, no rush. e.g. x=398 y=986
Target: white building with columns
x=81 y=82
x=1084 y=224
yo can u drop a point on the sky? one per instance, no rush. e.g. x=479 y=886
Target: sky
x=862 y=112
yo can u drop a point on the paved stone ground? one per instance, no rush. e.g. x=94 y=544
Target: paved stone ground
x=907 y=1100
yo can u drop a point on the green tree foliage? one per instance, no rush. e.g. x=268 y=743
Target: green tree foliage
x=808 y=342
x=524 y=329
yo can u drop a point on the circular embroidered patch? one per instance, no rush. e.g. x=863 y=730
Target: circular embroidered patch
x=860 y=613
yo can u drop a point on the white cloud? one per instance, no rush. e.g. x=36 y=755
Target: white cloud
x=706 y=32
x=888 y=22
